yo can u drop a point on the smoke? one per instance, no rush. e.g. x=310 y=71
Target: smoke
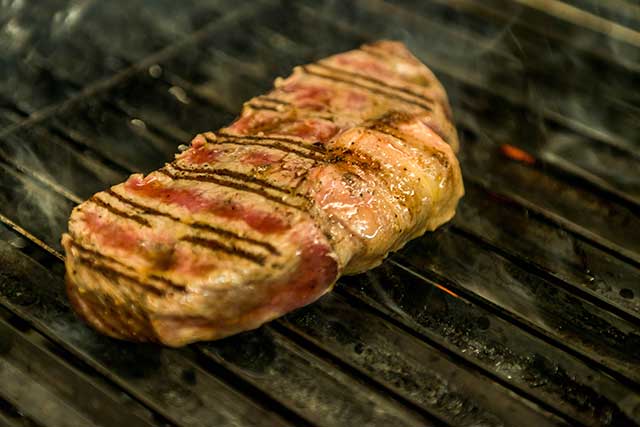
x=42 y=177
x=38 y=209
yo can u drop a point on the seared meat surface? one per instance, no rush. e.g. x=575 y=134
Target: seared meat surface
x=342 y=162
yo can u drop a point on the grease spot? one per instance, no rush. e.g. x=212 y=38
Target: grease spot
x=484 y=323
x=626 y=293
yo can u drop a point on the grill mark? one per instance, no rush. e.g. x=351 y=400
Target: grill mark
x=115 y=274
x=383 y=54
x=387 y=130
x=210 y=243
x=356 y=157
x=274 y=145
x=268 y=246
x=97 y=254
x=315 y=146
x=383 y=126
x=229 y=184
x=232 y=250
x=422 y=105
x=374 y=80
x=377 y=53
x=261 y=107
x=299 y=112
x=118 y=212
x=233 y=174
x=196 y=225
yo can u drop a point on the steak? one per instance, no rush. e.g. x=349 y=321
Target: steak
x=341 y=163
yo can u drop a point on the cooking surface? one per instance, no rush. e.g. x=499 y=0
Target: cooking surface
x=525 y=310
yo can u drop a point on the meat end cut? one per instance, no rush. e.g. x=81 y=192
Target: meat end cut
x=341 y=163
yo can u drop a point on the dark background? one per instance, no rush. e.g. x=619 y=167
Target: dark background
x=524 y=310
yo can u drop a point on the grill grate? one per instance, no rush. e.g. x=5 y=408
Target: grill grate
x=524 y=311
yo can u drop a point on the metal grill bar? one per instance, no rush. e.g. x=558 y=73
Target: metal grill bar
x=353 y=335
x=481 y=337
x=12 y=417
x=504 y=285
x=25 y=355
x=579 y=267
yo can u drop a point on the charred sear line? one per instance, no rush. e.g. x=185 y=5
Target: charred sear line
x=231 y=250
x=269 y=247
x=393 y=118
x=273 y=145
x=196 y=225
x=351 y=82
x=385 y=128
x=97 y=255
x=371 y=50
x=297 y=143
x=230 y=184
x=374 y=50
x=255 y=106
x=355 y=157
x=389 y=122
x=143 y=208
x=232 y=174
x=114 y=274
x=268 y=103
x=377 y=53
x=137 y=218
x=374 y=81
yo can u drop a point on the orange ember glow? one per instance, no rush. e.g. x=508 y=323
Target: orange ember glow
x=442 y=288
x=517 y=154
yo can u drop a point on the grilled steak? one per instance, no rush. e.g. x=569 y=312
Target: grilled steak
x=342 y=162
